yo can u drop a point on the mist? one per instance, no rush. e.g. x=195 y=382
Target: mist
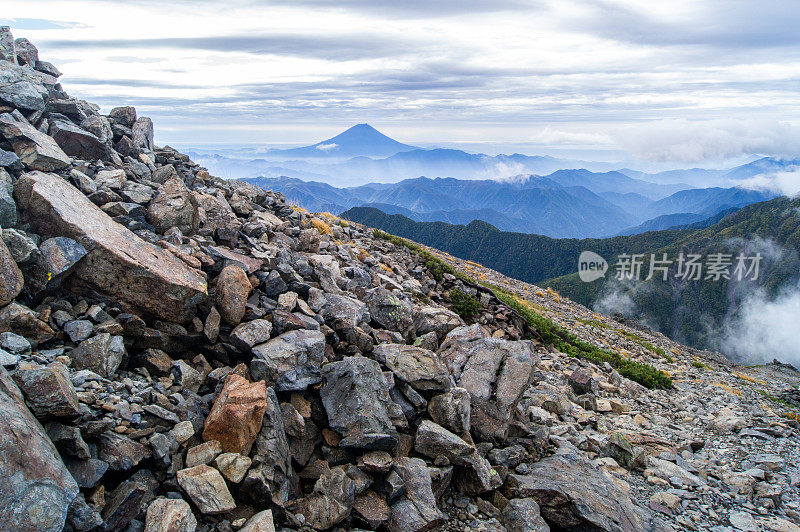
x=765 y=329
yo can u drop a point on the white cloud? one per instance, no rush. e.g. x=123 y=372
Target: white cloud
x=787 y=182
x=686 y=141
x=765 y=329
x=327 y=147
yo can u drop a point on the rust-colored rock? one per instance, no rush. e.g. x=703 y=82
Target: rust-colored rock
x=233 y=288
x=119 y=264
x=236 y=416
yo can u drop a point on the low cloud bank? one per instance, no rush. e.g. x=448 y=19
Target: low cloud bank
x=686 y=141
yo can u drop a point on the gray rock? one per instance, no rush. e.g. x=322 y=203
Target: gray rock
x=76 y=141
x=330 y=502
x=452 y=411
x=8 y=207
x=14 y=342
x=416 y=509
x=87 y=473
x=78 y=330
x=7 y=50
x=575 y=495
x=419 y=367
x=391 y=310
x=522 y=515
x=269 y=480
x=246 y=335
x=123 y=504
x=119 y=264
x=102 y=354
x=37 y=489
x=143 y=133
x=125 y=116
x=11 y=279
x=120 y=452
x=27 y=54
x=495 y=372
x=436 y=319
x=61 y=255
x=356 y=398
x=207 y=489
x=18 y=89
x=290 y=361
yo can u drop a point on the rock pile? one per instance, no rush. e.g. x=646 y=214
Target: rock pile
x=181 y=352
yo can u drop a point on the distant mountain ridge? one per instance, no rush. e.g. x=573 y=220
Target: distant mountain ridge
x=564 y=204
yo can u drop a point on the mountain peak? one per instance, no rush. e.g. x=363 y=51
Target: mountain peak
x=360 y=140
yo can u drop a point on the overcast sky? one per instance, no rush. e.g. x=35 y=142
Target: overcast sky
x=689 y=82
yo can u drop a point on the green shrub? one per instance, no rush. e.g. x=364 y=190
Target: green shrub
x=568 y=343
x=464 y=305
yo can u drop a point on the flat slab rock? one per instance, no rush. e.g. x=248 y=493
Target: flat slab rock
x=118 y=263
x=575 y=495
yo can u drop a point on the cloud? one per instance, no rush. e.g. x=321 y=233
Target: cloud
x=714 y=23
x=686 y=141
x=39 y=24
x=327 y=147
x=765 y=329
x=332 y=47
x=786 y=183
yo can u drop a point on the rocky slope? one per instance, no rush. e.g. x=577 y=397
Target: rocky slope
x=185 y=353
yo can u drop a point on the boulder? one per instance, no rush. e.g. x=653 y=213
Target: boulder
x=18 y=90
x=420 y=368
x=8 y=208
x=495 y=372
x=7 y=50
x=11 y=280
x=573 y=494
x=329 y=503
x=76 y=141
x=416 y=509
x=143 y=134
x=522 y=515
x=120 y=452
x=61 y=254
x=27 y=54
x=246 y=335
x=435 y=319
x=356 y=398
x=101 y=353
x=207 y=489
x=48 y=391
x=390 y=310
x=170 y=515
x=235 y=419
x=451 y=410
x=233 y=289
x=261 y=522
x=118 y=263
x=174 y=206
x=290 y=361
x=268 y=482
x=35 y=149
x=125 y=116
x=37 y=489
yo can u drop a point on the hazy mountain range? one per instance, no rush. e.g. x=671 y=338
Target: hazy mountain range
x=531 y=194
